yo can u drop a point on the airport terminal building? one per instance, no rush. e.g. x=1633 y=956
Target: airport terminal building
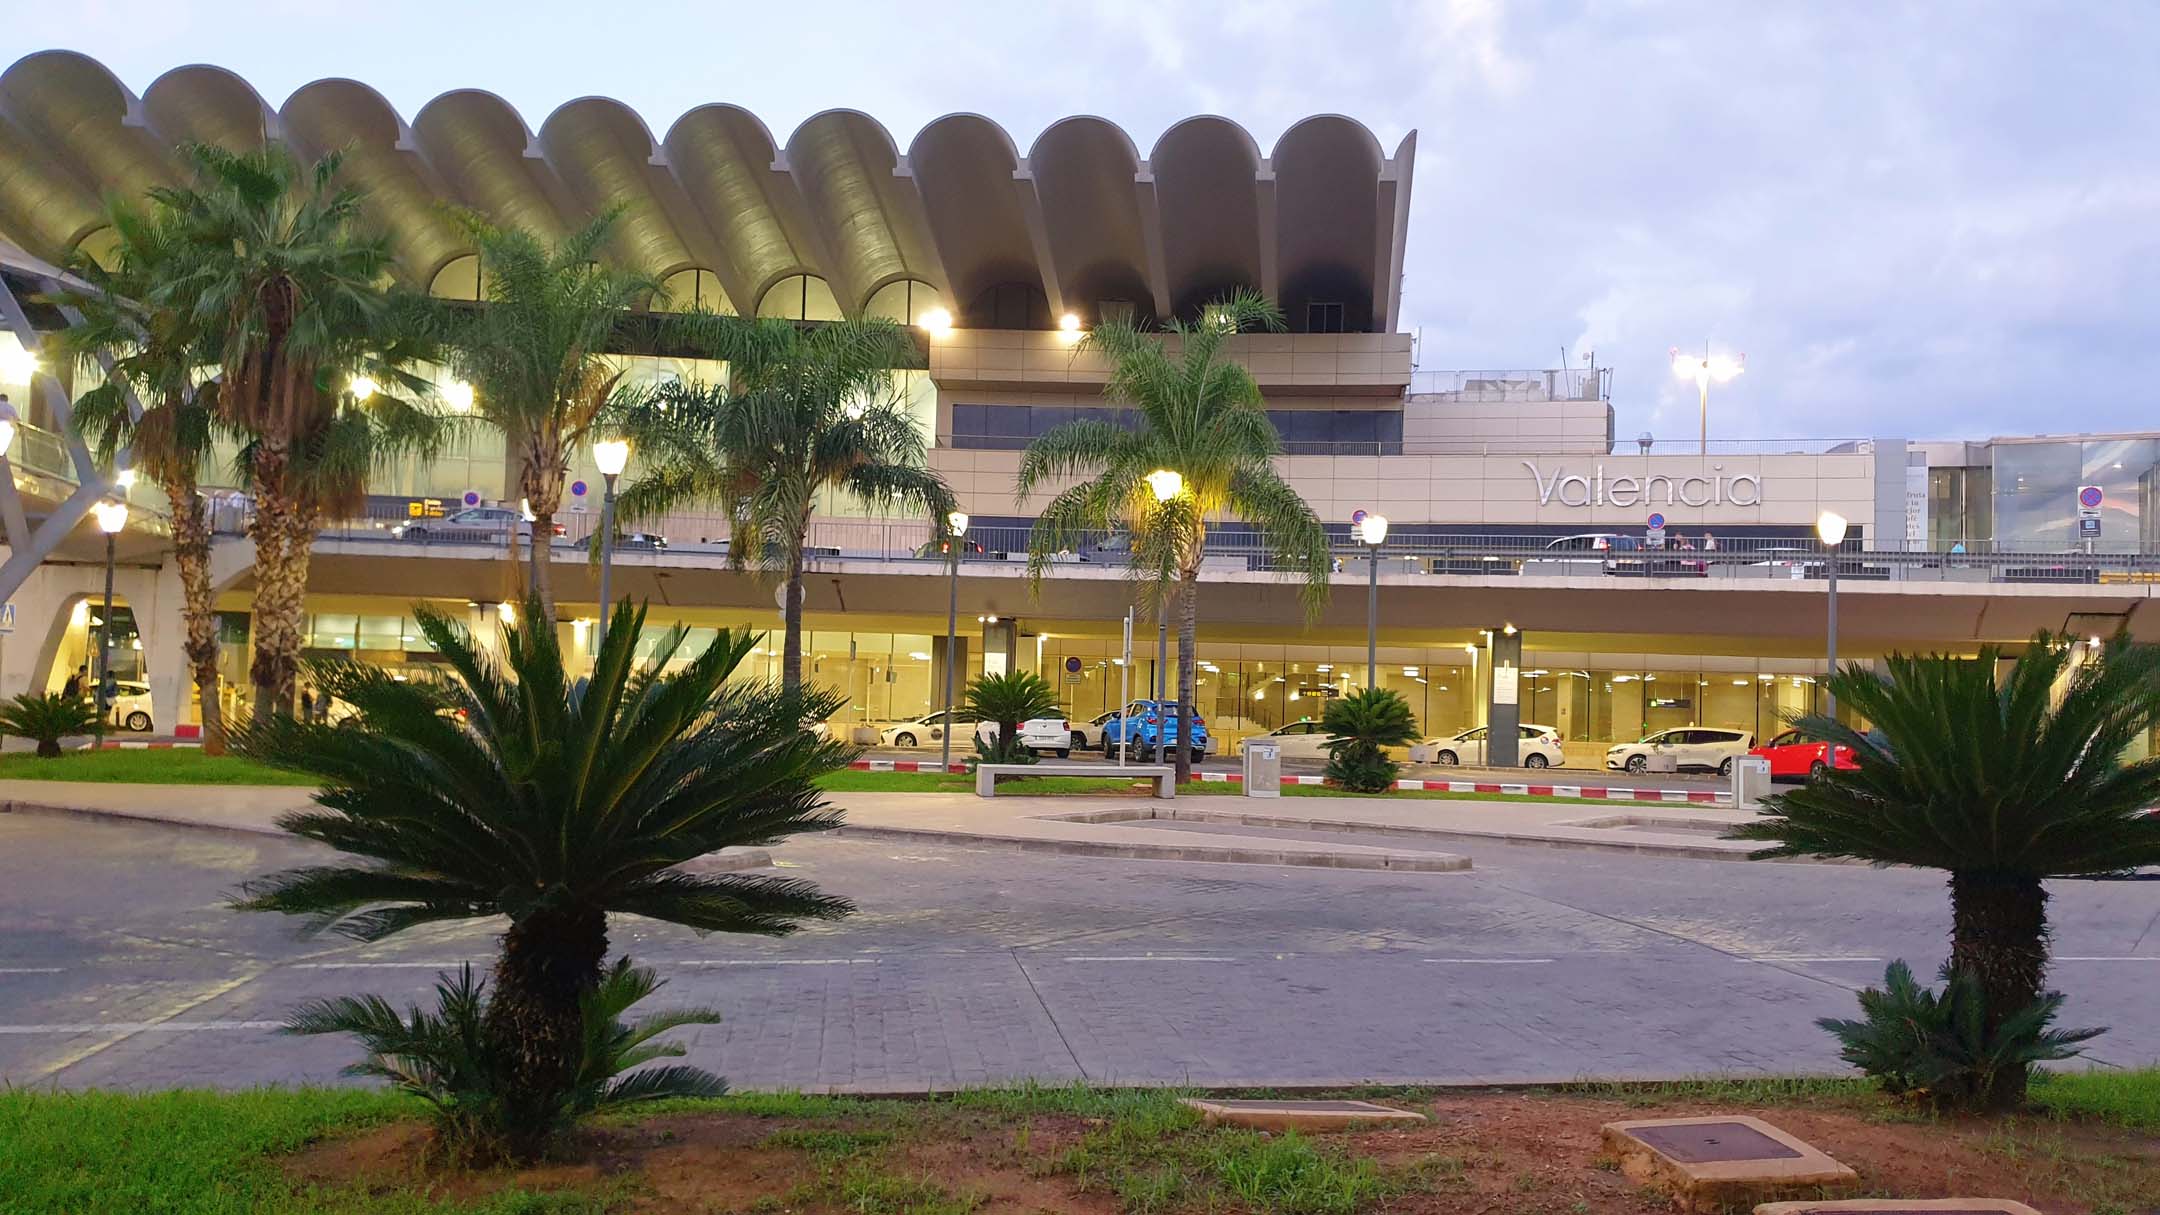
x=1605 y=584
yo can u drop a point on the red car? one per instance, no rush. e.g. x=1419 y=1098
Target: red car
x=1793 y=756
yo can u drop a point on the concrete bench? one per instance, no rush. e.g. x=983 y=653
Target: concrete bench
x=1164 y=776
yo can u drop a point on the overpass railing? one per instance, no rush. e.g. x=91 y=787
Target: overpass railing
x=1419 y=551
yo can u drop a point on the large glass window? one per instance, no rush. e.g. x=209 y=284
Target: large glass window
x=996 y=427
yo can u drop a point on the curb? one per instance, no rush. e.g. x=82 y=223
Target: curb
x=903 y=765
x=1692 y=852
x=1714 y=797
x=718 y=862
x=1392 y=862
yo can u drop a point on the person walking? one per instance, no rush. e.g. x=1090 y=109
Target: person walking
x=73 y=688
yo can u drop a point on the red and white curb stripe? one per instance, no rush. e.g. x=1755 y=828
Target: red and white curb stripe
x=901 y=765
x=110 y=745
x=1705 y=796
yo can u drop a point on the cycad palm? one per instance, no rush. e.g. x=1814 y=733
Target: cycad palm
x=554 y=803
x=1364 y=723
x=2004 y=781
x=150 y=345
x=1196 y=414
x=534 y=356
x=806 y=409
x=289 y=293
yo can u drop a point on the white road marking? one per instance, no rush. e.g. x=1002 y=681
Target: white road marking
x=2133 y=958
x=1491 y=961
x=137 y=1027
x=1801 y=957
x=385 y=965
x=775 y=962
x=1148 y=957
x=31 y=970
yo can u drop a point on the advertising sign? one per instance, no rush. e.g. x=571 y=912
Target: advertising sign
x=1504 y=685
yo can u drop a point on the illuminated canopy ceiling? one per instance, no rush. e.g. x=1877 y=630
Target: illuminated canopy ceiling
x=960 y=217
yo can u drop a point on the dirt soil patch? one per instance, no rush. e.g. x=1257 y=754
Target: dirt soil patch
x=1483 y=1153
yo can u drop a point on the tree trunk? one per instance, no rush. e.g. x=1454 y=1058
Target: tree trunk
x=49 y=748
x=535 y=1017
x=1999 y=935
x=1188 y=627
x=542 y=543
x=191 y=553
x=280 y=593
x=791 y=646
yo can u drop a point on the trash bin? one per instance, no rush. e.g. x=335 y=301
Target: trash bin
x=1263 y=770
x=1661 y=760
x=1750 y=781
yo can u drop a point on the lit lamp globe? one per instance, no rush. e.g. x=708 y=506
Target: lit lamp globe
x=956 y=523
x=1165 y=483
x=111 y=516
x=611 y=456
x=1830 y=528
x=1372 y=529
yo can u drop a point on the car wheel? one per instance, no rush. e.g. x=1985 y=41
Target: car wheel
x=1534 y=761
x=416 y=533
x=903 y=740
x=1816 y=769
x=1638 y=764
x=1064 y=753
x=1079 y=741
x=139 y=722
x=1446 y=759
x=1725 y=768
x=1197 y=756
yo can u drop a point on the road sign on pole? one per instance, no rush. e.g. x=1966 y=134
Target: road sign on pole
x=2089 y=498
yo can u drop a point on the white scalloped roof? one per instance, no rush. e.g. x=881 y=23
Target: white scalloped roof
x=1082 y=216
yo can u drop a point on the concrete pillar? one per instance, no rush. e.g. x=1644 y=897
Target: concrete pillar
x=1504 y=713
x=961 y=676
x=1001 y=645
x=160 y=617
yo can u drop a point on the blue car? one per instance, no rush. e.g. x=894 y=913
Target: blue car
x=1154 y=726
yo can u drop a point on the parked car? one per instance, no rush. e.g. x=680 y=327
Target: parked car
x=1298 y=740
x=1791 y=755
x=131 y=705
x=1153 y=727
x=925 y=730
x=1088 y=735
x=1539 y=748
x=485 y=524
x=1692 y=748
x=1044 y=734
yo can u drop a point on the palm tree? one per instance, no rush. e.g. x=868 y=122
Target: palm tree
x=47 y=719
x=1364 y=723
x=806 y=409
x=1200 y=417
x=510 y=789
x=2003 y=780
x=534 y=356
x=150 y=346
x=1008 y=700
x=311 y=354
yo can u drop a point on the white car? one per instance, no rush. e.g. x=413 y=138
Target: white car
x=1699 y=748
x=131 y=705
x=1298 y=740
x=1539 y=748
x=924 y=731
x=1087 y=735
x=1042 y=734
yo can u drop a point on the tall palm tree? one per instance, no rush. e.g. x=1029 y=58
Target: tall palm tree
x=1200 y=416
x=150 y=345
x=555 y=802
x=535 y=357
x=312 y=356
x=806 y=409
x=2003 y=780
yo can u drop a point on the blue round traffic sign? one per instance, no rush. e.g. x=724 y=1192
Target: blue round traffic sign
x=1657 y=520
x=577 y=489
x=2089 y=496
x=472 y=497
x=1072 y=666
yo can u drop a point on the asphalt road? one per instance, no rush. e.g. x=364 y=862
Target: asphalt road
x=1231 y=763
x=120 y=967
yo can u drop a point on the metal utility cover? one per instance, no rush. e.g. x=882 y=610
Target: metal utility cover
x=1705 y=1142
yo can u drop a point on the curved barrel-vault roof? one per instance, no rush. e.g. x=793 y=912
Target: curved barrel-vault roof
x=1082 y=215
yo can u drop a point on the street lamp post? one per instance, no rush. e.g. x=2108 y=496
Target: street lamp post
x=956 y=527
x=1703 y=370
x=8 y=418
x=111 y=517
x=1166 y=484
x=1372 y=530
x=611 y=456
x=1830 y=529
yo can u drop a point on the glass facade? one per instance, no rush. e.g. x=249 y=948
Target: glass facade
x=2035 y=488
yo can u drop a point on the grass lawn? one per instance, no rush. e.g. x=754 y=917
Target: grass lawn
x=1117 y=1152
x=176 y=766
x=932 y=782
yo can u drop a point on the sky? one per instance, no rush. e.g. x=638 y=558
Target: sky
x=1917 y=220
